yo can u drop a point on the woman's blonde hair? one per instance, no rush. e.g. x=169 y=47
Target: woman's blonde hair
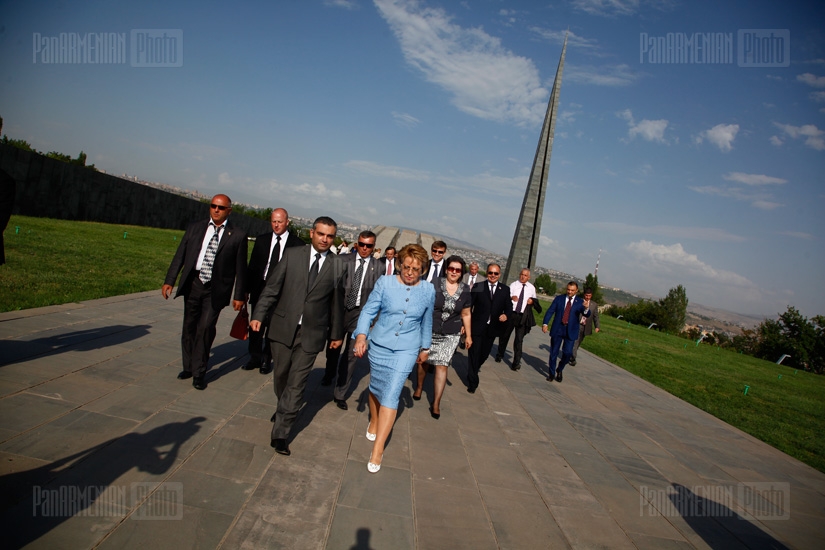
x=414 y=251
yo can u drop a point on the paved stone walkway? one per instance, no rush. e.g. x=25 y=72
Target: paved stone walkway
x=91 y=409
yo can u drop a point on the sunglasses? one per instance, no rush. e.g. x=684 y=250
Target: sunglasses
x=438 y=251
x=365 y=245
x=454 y=269
x=494 y=273
x=219 y=207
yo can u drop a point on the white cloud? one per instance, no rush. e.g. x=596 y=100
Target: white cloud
x=224 y=179
x=605 y=75
x=674 y=259
x=721 y=135
x=776 y=140
x=675 y=232
x=650 y=130
x=754 y=179
x=388 y=200
x=346 y=4
x=813 y=135
x=761 y=200
x=385 y=171
x=317 y=190
x=812 y=80
x=492 y=184
x=797 y=235
x=405 y=120
x=293 y=192
x=819 y=97
x=607 y=7
x=573 y=40
x=766 y=205
x=485 y=79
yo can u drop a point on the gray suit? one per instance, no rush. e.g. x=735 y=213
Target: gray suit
x=587 y=327
x=479 y=277
x=295 y=346
x=342 y=370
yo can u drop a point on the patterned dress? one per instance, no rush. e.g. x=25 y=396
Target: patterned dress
x=444 y=345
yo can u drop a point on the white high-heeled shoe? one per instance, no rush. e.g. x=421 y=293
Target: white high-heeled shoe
x=370 y=437
x=372 y=468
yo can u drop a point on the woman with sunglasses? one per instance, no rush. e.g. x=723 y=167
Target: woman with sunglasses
x=451 y=314
x=401 y=337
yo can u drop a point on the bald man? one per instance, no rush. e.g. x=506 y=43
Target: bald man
x=267 y=252
x=211 y=259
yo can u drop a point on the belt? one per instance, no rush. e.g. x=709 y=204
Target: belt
x=198 y=278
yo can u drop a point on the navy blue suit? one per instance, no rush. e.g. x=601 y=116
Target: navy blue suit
x=562 y=335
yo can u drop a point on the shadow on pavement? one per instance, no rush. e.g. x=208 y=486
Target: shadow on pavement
x=16 y=351
x=34 y=502
x=718 y=525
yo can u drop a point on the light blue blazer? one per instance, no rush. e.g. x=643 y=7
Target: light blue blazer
x=405 y=322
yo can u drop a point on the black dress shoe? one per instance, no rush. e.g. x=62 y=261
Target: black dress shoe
x=326 y=381
x=184 y=375
x=416 y=397
x=341 y=404
x=471 y=390
x=280 y=447
x=434 y=414
x=264 y=369
x=498 y=359
x=252 y=365
x=572 y=363
x=515 y=367
x=549 y=378
x=558 y=377
x=199 y=383
x=272 y=419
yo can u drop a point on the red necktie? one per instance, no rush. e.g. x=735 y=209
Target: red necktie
x=566 y=316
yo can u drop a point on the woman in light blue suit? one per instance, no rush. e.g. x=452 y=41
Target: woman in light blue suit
x=400 y=337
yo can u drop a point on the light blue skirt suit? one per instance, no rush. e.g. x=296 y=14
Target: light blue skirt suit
x=404 y=327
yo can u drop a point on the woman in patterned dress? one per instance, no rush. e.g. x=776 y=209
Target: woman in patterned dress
x=401 y=336
x=451 y=314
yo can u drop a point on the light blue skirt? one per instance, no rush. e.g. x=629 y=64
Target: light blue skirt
x=389 y=371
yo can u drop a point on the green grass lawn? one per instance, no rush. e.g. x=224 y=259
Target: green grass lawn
x=783 y=407
x=55 y=261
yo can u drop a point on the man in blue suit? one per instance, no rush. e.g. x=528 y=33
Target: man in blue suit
x=566 y=311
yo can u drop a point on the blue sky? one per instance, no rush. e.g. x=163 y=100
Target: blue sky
x=426 y=114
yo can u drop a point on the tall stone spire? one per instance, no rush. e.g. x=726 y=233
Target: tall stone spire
x=525 y=245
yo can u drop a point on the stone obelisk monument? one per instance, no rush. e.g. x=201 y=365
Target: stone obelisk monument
x=525 y=245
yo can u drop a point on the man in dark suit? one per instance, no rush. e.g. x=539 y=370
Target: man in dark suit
x=267 y=252
x=523 y=296
x=306 y=292
x=588 y=324
x=211 y=259
x=436 y=267
x=361 y=271
x=566 y=311
x=490 y=311
x=389 y=261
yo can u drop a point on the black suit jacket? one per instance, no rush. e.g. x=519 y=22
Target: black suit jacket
x=485 y=308
x=228 y=269
x=442 y=269
x=260 y=254
x=321 y=306
x=374 y=270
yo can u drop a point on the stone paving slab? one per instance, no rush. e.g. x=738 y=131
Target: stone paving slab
x=89 y=399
